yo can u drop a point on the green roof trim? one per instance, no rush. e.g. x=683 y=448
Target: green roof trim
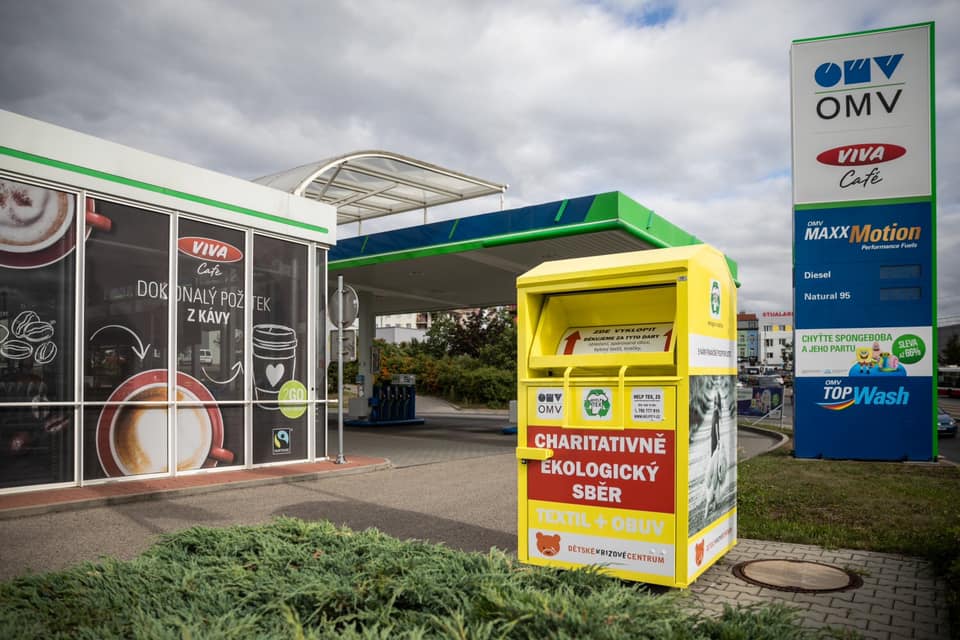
x=147 y=186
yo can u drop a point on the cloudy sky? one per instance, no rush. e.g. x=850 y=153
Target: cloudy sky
x=682 y=105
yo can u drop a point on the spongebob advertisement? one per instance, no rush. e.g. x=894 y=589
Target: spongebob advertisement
x=868 y=389
x=872 y=352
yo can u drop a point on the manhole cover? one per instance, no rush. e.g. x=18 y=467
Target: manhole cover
x=797 y=575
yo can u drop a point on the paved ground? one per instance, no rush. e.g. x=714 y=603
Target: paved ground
x=457 y=485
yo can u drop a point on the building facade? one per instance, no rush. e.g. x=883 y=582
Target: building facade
x=748 y=338
x=776 y=334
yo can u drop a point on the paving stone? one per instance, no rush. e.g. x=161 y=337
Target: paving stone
x=879 y=617
x=846 y=622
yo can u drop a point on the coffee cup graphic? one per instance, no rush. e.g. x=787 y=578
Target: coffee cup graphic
x=132 y=439
x=274 y=361
x=45 y=245
x=31 y=217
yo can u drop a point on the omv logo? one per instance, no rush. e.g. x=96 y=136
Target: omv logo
x=856 y=71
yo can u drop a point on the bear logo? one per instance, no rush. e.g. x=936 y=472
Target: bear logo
x=698 y=552
x=548 y=545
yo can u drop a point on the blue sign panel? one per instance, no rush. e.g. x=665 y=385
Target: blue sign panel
x=875 y=417
x=863 y=266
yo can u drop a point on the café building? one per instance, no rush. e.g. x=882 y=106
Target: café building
x=156 y=319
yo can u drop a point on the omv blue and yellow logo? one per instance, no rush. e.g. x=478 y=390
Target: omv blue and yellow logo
x=840 y=397
x=282 y=437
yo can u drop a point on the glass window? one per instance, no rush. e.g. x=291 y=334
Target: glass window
x=279 y=349
x=125 y=345
x=210 y=344
x=37 y=303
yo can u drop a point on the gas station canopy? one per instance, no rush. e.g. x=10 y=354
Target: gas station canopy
x=466 y=262
x=474 y=261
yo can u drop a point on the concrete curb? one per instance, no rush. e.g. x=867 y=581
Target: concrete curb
x=783 y=439
x=159 y=494
x=465 y=414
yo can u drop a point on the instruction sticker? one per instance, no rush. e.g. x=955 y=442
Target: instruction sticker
x=631 y=338
x=647 y=404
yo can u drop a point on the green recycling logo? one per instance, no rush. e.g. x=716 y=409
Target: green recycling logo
x=715 y=298
x=596 y=404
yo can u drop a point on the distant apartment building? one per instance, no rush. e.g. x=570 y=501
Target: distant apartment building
x=761 y=337
x=776 y=332
x=403 y=327
x=748 y=339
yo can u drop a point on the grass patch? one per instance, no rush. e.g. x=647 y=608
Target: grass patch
x=874 y=506
x=910 y=509
x=292 y=579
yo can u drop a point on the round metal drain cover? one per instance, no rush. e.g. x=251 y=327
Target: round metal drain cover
x=800 y=576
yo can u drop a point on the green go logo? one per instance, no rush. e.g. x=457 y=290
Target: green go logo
x=293 y=391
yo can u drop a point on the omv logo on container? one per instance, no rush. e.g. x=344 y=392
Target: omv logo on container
x=838 y=396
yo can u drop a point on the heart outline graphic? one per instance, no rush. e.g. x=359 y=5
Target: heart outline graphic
x=274 y=373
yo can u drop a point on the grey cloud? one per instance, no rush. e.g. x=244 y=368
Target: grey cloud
x=690 y=116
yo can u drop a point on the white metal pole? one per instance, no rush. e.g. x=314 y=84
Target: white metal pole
x=340 y=399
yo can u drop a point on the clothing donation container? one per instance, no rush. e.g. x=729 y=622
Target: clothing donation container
x=627 y=413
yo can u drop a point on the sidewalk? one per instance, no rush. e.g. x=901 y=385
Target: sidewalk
x=16 y=505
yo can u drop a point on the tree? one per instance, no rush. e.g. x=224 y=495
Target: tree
x=489 y=335
x=786 y=354
x=950 y=354
x=441 y=335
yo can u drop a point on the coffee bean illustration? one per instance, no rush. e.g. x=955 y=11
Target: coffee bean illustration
x=45 y=353
x=38 y=331
x=20 y=323
x=16 y=349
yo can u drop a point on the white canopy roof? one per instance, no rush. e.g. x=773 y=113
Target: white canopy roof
x=370 y=184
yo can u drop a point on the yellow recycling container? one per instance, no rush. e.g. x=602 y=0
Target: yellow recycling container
x=627 y=414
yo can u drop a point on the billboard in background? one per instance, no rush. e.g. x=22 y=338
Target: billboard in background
x=864 y=238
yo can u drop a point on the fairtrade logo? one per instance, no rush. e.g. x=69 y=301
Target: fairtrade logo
x=282 y=437
x=698 y=552
x=714 y=299
x=839 y=398
x=855 y=155
x=857 y=71
x=597 y=404
x=209 y=249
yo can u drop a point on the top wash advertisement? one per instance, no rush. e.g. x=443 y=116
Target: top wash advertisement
x=864 y=245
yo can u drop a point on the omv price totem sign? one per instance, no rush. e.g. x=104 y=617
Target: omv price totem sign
x=864 y=245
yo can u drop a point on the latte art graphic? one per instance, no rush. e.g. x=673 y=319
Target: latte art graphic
x=31 y=218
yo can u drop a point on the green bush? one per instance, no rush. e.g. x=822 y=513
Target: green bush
x=292 y=579
x=459 y=379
